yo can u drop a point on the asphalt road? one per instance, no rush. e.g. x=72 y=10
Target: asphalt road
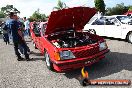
x=34 y=74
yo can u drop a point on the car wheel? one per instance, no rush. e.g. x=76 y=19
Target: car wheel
x=92 y=31
x=129 y=37
x=48 y=62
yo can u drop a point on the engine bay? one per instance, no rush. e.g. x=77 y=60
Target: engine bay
x=71 y=39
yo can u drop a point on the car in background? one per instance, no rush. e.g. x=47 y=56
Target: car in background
x=129 y=13
x=63 y=43
x=116 y=26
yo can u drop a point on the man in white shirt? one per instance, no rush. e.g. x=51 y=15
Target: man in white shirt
x=27 y=26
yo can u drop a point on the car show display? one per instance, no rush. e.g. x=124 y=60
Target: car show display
x=63 y=43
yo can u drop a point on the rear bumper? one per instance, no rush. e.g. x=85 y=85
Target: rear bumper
x=62 y=66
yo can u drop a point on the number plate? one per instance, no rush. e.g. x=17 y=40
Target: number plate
x=90 y=61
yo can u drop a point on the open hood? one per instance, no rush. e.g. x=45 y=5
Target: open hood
x=65 y=19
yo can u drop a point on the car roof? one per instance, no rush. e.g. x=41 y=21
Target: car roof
x=118 y=15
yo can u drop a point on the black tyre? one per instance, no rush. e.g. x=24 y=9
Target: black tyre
x=129 y=37
x=48 y=62
x=85 y=82
x=92 y=31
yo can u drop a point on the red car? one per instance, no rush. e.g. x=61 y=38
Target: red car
x=63 y=43
x=129 y=13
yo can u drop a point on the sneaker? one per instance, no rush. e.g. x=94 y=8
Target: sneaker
x=20 y=59
x=28 y=59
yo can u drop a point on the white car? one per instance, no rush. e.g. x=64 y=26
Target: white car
x=116 y=26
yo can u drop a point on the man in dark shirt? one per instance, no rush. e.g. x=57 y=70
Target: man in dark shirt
x=13 y=26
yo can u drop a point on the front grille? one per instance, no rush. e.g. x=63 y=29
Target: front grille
x=85 y=53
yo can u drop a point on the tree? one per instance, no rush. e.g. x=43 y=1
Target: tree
x=9 y=8
x=2 y=15
x=100 y=5
x=60 y=5
x=130 y=8
x=119 y=9
x=37 y=16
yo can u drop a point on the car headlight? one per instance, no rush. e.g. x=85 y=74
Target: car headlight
x=102 y=46
x=64 y=55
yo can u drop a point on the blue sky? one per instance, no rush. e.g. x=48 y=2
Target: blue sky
x=27 y=7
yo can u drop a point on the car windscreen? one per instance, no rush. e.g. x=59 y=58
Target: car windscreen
x=43 y=28
x=124 y=19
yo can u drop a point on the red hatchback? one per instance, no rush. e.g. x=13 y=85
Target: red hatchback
x=64 y=44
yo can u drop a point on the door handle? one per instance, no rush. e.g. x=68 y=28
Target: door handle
x=124 y=27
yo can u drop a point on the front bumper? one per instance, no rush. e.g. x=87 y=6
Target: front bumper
x=66 y=65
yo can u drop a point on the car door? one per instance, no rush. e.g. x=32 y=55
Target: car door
x=113 y=28
x=37 y=34
x=41 y=39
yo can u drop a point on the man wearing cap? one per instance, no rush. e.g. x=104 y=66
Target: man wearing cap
x=13 y=26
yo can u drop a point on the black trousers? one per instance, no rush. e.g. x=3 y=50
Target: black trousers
x=24 y=46
x=6 y=38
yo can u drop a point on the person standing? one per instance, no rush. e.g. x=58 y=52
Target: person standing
x=20 y=31
x=5 y=34
x=13 y=26
x=27 y=26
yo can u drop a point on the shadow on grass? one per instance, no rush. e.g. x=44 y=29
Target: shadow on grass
x=118 y=39
x=35 y=53
x=113 y=63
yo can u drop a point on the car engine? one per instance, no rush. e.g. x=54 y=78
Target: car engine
x=69 y=41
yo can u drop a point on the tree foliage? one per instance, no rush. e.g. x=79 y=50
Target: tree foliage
x=2 y=15
x=100 y=5
x=119 y=9
x=60 y=5
x=37 y=16
x=9 y=8
x=130 y=8
x=4 y=11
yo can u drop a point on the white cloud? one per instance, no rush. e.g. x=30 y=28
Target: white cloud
x=73 y=3
x=5 y=2
x=27 y=7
